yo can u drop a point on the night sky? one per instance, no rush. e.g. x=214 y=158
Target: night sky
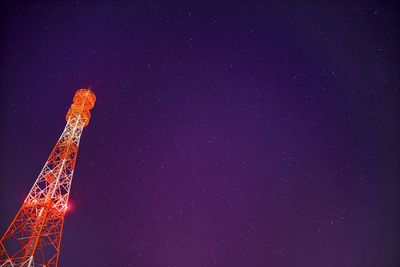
x=236 y=134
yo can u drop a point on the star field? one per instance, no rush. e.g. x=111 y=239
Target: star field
x=240 y=134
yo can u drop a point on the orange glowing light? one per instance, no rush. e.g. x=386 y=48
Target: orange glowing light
x=70 y=206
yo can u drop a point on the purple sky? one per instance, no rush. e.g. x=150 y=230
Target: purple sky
x=223 y=135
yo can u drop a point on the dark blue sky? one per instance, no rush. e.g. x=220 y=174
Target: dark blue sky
x=240 y=134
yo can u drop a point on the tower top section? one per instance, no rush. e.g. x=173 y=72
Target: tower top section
x=79 y=112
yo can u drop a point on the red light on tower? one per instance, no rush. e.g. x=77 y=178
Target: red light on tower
x=70 y=206
x=34 y=236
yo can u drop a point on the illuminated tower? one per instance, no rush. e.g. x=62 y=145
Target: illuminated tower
x=34 y=236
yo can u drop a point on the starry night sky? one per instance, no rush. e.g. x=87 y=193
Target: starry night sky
x=240 y=134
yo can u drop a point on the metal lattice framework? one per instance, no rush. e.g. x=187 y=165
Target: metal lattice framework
x=34 y=236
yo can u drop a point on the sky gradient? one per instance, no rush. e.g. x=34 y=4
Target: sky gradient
x=240 y=134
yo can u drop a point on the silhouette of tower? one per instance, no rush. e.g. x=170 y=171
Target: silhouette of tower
x=34 y=236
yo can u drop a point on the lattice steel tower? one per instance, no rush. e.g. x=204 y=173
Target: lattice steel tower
x=34 y=236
